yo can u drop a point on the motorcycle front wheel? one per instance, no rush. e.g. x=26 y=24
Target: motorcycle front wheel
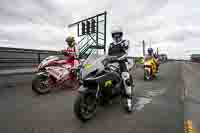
x=85 y=106
x=147 y=75
x=39 y=84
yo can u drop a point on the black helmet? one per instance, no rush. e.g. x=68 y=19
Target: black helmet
x=70 y=41
x=150 y=51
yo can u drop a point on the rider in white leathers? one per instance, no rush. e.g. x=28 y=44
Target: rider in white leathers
x=120 y=48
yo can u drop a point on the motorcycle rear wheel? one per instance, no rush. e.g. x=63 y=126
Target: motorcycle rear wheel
x=39 y=86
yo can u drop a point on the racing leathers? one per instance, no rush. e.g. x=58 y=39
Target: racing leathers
x=155 y=60
x=72 y=55
x=120 y=50
x=156 y=56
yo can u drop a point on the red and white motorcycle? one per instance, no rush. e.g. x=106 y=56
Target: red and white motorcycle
x=54 y=73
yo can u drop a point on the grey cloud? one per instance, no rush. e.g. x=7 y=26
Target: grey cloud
x=40 y=23
x=33 y=11
x=32 y=22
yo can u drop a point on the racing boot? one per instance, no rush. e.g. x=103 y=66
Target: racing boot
x=128 y=91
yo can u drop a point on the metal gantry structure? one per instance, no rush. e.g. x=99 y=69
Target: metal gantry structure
x=143 y=47
x=93 y=39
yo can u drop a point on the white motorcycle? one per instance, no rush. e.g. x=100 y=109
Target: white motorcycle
x=54 y=73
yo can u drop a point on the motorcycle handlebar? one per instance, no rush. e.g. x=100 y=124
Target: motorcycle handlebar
x=115 y=59
x=112 y=59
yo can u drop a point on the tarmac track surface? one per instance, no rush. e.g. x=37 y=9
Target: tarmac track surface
x=160 y=107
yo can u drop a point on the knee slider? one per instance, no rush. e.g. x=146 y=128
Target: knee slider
x=125 y=75
x=128 y=82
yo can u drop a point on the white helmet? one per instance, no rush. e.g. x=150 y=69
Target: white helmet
x=117 y=34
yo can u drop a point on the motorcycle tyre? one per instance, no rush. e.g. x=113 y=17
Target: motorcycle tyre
x=37 y=80
x=77 y=107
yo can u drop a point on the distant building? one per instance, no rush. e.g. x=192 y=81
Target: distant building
x=195 y=58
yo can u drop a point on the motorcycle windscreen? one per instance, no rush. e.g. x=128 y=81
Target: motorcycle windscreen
x=47 y=60
x=51 y=58
x=92 y=64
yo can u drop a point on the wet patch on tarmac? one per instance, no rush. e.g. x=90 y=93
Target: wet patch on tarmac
x=192 y=100
x=147 y=98
x=141 y=101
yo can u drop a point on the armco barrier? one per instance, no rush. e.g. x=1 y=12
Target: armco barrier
x=17 y=58
x=11 y=58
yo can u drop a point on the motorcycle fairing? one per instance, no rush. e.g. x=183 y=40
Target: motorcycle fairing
x=150 y=65
x=57 y=72
x=47 y=60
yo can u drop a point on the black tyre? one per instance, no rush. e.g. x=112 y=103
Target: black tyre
x=125 y=104
x=85 y=107
x=126 y=108
x=39 y=84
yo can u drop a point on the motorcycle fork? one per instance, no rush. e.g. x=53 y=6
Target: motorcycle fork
x=99 y=96
x=150 y=70
x=98 y=91
x=50 y=81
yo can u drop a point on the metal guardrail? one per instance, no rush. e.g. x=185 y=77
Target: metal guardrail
x=16 y=57
x=179 y=60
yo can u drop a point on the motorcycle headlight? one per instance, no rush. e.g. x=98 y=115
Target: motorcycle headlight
x=87 y=66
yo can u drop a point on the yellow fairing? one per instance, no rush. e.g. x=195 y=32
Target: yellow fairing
x=151 y=62
x=148 y=62
x=87 y=66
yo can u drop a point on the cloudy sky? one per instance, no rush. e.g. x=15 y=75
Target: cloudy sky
x=171 y=25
